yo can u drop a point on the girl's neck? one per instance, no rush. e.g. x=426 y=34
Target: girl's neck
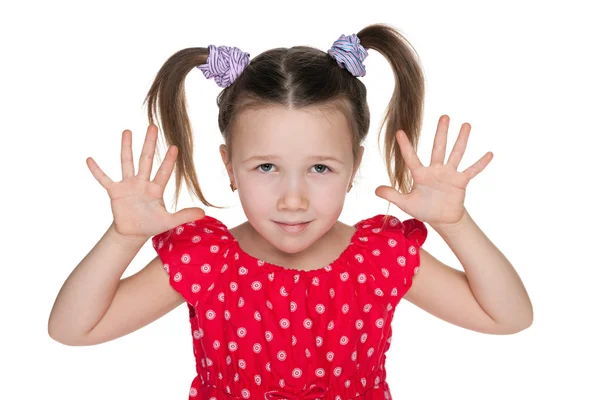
x=319 y=254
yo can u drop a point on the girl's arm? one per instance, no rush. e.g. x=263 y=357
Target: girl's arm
x=488 y=297
x=94 y=305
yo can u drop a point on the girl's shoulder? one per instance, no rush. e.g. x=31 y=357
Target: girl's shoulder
x=388 y=248
x=386 y=227
x=192 y=255
x=202 y=232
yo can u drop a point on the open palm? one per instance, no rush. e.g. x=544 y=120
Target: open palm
x=137 y=202
x=439 y=190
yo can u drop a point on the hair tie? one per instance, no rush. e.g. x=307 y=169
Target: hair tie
x=225 y=64
x=349 y=53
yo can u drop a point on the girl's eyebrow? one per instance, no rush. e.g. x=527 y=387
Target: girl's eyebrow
x=269 y=157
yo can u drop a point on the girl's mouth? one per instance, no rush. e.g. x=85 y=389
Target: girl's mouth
x=292 y=228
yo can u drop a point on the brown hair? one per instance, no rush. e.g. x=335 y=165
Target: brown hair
x=297 y=77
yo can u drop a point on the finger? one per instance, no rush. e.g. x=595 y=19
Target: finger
x=438 y=154
x=148 y=152
x=408 y=152
x=188 y=215
x=100 y=176
x=390 y=194
x=127 y=168
x=479 y=166
x=459 y=147
x=166 y=168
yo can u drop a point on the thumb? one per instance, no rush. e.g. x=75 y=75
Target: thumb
x=392 y=195
x=188 y=215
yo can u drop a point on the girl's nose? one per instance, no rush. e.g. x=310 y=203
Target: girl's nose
x=293 y=197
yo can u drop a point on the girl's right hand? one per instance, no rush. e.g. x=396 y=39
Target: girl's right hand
x=137 y=203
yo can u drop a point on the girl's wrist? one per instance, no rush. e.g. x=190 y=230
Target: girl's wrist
x=124 y=241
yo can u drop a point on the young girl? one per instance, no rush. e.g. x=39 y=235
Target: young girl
x=292 y=304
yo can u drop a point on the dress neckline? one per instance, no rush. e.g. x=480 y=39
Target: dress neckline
x=337 y=263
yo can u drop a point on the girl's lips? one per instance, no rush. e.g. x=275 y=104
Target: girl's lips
x=295 y=228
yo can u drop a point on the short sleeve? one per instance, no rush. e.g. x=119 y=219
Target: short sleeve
x=394 y=247
x=190 y=254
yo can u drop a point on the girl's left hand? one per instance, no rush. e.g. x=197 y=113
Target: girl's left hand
x=438 y=194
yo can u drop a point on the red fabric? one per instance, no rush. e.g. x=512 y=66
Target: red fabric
x=263 y=331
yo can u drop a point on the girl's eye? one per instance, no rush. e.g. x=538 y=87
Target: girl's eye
x=263 y=169
x=320 y=168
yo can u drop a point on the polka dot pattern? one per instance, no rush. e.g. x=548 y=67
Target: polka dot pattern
x=264 y=331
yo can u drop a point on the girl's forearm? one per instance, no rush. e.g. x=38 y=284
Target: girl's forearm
x=493 y=280
x=89 y=290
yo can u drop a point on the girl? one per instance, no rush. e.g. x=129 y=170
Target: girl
x=292 y=304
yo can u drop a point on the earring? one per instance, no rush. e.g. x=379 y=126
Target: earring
x=231 y=186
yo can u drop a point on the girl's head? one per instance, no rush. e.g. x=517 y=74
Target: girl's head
x=292 y=165
x=288 y=107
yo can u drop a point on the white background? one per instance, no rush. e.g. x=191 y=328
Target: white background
x=523 y=74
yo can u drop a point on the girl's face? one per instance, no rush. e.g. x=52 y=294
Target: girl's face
x=292 y=166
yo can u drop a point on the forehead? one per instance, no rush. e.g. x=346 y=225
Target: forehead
x=292 y=133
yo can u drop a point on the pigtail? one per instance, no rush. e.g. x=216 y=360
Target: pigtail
x=405 y=109
x=167 y=103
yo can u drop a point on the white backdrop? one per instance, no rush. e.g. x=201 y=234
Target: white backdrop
x=523 y=74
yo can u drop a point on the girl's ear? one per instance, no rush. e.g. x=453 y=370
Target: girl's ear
x=226 y=161
x=361 y=151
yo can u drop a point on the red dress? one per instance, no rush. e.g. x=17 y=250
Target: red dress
x=263 y=331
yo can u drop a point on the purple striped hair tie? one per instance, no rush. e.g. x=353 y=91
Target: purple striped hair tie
x=225 y=64
x=349 y=53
